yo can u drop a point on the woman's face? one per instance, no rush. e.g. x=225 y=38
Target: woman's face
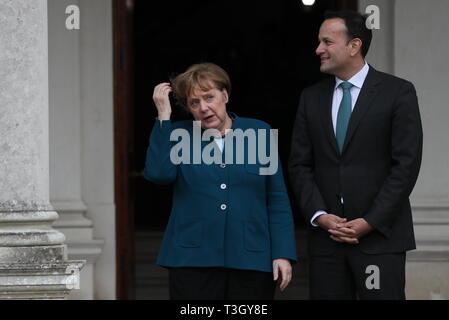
x=209 y=107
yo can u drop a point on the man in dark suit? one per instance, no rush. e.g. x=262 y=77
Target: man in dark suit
x=355 y=158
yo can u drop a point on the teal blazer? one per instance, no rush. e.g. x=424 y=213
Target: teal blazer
x=222 y=215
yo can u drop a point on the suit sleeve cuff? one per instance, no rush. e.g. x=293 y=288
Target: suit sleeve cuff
x=315 y=216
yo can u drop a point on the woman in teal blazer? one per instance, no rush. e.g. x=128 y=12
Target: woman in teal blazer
x=230 y=233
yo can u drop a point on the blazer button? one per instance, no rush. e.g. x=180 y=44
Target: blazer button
x=223 y=207
x=222 y=166
x=223 y=186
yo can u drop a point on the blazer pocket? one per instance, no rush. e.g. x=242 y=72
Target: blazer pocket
x=256 y=236
x=188 y=232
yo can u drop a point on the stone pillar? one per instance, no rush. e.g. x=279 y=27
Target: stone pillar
x=66 y=146
x=426 y=66
x=97 y=136
x=394 y=49
x=381 y=52
x=33 y=256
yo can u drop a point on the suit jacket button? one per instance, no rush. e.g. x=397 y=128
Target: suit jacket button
x=223 y=207
x=223 y=186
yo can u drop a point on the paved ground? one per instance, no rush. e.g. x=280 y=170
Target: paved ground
x=152 y=280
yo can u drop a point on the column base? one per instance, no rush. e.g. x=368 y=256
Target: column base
x=428 y=266
x=39 y=281
x=34 y=255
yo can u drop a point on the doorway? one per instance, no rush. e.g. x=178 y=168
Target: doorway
x=268 y=49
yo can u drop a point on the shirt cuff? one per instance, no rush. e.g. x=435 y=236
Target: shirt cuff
x=316 y=215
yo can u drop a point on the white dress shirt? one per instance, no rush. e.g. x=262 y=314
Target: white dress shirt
x=357 y=80
x=220 y=143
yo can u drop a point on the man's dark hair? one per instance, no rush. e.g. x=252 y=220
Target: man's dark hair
x=355 y=23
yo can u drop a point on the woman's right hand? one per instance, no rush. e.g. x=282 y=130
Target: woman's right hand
x=161 y=100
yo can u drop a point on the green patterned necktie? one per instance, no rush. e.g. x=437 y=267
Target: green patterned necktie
x=344 y=114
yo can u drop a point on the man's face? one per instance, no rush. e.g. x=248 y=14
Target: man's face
x=209 y=107
x=334 y=48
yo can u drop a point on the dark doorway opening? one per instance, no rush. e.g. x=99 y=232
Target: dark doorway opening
x=268 y=49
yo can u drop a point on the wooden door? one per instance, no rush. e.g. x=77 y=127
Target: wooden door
x=124 y=146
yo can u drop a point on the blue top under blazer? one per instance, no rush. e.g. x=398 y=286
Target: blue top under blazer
x=222 y=215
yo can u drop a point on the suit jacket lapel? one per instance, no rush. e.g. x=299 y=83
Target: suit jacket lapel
x=363 y=104
x=326 y=111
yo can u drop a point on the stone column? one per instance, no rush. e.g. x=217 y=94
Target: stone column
x=394 y=50
x=97 y=136
x=426 y=66
x=381 y=52
x=33 y=256
x=65 y=96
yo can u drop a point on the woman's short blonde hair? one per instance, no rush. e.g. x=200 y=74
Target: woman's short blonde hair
x=204 y=76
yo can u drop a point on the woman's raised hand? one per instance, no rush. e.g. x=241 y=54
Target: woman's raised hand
x=161 y=100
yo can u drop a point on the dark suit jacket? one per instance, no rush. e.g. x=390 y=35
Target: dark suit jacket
x=376 y=171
